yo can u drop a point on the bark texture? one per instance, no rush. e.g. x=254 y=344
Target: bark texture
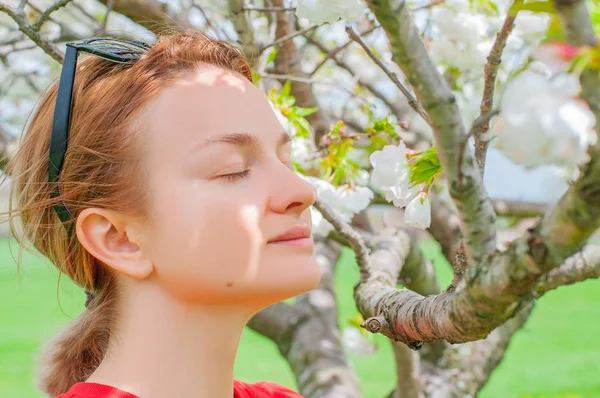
x=409 y=53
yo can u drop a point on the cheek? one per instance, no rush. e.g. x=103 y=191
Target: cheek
x=205 y=248
x=210 y=247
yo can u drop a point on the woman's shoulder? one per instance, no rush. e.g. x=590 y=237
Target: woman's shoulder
x=263 y=389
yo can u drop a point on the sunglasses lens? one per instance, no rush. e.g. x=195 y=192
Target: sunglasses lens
x=115 y=50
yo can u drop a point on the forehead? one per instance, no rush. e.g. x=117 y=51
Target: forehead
x=207 y=103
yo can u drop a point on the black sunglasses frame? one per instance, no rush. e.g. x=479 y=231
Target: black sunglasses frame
x=115 y=50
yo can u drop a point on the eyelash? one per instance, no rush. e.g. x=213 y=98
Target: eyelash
x=243 y=174
x=237 y=176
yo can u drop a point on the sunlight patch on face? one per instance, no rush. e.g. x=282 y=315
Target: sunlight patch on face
x=249 y=216
x=212 y=76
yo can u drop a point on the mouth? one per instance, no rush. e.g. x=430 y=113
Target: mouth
x=298 y=236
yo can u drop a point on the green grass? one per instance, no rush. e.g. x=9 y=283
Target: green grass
x=556 y=355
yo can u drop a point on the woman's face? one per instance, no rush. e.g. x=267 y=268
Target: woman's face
x=222 y=187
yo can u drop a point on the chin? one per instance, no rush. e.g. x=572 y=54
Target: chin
x=293 y=279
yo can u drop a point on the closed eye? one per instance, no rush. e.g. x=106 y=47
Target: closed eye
x=236 y=176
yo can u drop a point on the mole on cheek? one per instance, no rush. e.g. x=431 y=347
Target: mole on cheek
x=230 y=284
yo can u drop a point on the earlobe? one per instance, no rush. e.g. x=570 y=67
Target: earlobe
x=107 y=236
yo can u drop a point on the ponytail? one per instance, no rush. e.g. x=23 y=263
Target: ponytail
x=73 y=355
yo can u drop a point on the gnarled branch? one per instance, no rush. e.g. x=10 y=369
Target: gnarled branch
x=466 y=187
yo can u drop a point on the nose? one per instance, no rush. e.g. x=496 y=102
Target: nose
x=289 y=192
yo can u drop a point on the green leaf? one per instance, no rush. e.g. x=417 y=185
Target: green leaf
x=487 y=6
x=272 y=55
x=305 y=111
x=298 y=168
x=288 y=101
x=580 y=63
x=256 y=77
x=545 y=6
x=285 y=90
x=425 y=167
x=302 y=127
x=555 y=31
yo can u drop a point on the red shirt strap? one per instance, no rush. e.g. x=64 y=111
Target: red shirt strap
x=95 y=390
x=261 y=389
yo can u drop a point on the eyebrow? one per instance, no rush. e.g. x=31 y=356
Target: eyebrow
x=243 y=140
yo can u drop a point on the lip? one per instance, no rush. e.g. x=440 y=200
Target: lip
x=298 y=235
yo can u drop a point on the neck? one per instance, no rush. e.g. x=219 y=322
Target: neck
x=165 y=348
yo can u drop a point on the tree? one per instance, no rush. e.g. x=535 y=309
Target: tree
x=427 y=77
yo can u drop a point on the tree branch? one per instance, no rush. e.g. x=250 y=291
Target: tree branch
x=408 y=383
x=289 y=37
x=488 y=296
x=311 y=82
x=244 y=31
x=46 y=14
x=329 y=54
x=109 y=7
x=269 y=9
x=277 y=321
x=153 y=15
x=581 y=266
x=412 y=102
x=445 y=225
x=466 y=188
x=576 y=22
x=219 y=32
x=490 y=72
x=18 y=15
x=467 y=367
x=398 y=108
x=289 y=61
x=353 y=237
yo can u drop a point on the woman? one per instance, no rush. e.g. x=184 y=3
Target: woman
x=175 y=207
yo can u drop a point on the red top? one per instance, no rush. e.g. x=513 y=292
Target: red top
x=261 y=389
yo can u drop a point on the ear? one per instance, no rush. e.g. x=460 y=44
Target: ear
x=113 y=239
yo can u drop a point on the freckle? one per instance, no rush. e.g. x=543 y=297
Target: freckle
x=230 y=284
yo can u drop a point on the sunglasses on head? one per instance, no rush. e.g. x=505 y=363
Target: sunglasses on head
x=115 y=50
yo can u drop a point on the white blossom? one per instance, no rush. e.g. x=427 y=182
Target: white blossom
x=345 y=200
x=390 y=174
x=356 y=343
x=354 y=200
x=362 y=177
x=531 y=26
x=418 y=212
x=463 y=27
x=320 y=226
x=301 y=152
x=319 y=11
x=460 y=55
x=543 y=122
x=463 y=38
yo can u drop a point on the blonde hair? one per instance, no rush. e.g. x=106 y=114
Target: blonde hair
x=100 y=170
